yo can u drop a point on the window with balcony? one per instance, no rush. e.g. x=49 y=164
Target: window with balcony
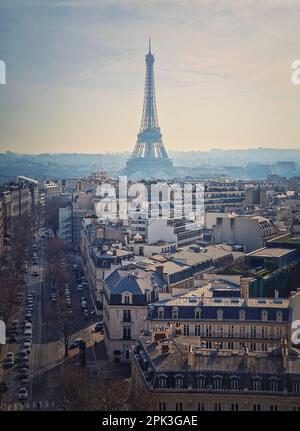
x=162 y=407
x=178 y=383
x=234 y=407
x=186 y=330
x=217 y=407
x=162 y=383
x=296 y=387
x=200 y=407
x=273 y=408
x=197 y=330
x=256 y=385
x=178 y=407
x=126 y=333
x=217 y=383
x=201 y=383
x=126 y=315
x=256 y=407
x=273 y=385
x=234 y=384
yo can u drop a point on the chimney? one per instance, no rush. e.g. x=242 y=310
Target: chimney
x=160 y=270
x=246 y=357
x=285 y=354
x=191 y=357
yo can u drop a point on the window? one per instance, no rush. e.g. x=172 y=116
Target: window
x=162 y=407
x=160 y=313
x=256 y=385
x=217 y=383
x=220 y=314
x=218 y=407
x=198 y=330
x=234 y=384
x=263 y=332
x=274 y=385
x=178 y=383
x=296 y=387
x=186 y=330
x=178 y=407
x=273 y=408
x=201 y=383
x=234 y=407
x=126 y=333
x=200 y=407
x=253 y=331
x=175 y=313
x=126 y=299
x=126 y=316
x=264 y=315
x=197 y=313
x=162 y=383
x=242 y=315
x=208 y=330
x=279 y=316
x=256 y=407
x=231 y=329
x=230 y=345
x=242 y=331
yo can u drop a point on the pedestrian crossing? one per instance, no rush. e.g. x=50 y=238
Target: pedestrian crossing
x=28 y=405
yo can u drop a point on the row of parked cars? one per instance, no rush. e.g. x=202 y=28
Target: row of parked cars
x=22 y=332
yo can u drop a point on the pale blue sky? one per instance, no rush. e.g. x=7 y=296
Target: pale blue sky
x=75 y=73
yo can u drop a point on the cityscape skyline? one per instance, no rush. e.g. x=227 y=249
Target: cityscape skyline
x=223 y=72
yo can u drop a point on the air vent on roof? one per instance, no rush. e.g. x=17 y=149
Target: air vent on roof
x=235 y=299
x=193 y=299
x=278 y=300
x=218 y=299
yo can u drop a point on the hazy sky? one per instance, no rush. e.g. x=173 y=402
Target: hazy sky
x=75 y=73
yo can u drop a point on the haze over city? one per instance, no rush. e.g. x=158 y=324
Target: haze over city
x=75 y=74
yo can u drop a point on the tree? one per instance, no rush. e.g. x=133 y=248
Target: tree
x=52 y=212
x=79 y=389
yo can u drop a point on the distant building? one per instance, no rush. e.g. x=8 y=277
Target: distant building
x=65 y=225
x=253 y=232
x=1 y=228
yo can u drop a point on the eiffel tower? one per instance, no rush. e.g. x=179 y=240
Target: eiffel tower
x=149 y=158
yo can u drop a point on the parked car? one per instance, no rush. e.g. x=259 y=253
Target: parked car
x=12 y=338
x=35 y=274
x=23 y=373
x=86 y=314
x=75 y=343
x=80 y=288
x=23 y=393
x=28 y=316
x=27 y=347
x=8 y=363
x=99 y=327
x=3 y=388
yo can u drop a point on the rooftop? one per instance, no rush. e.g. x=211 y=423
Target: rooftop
x=271 y=252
